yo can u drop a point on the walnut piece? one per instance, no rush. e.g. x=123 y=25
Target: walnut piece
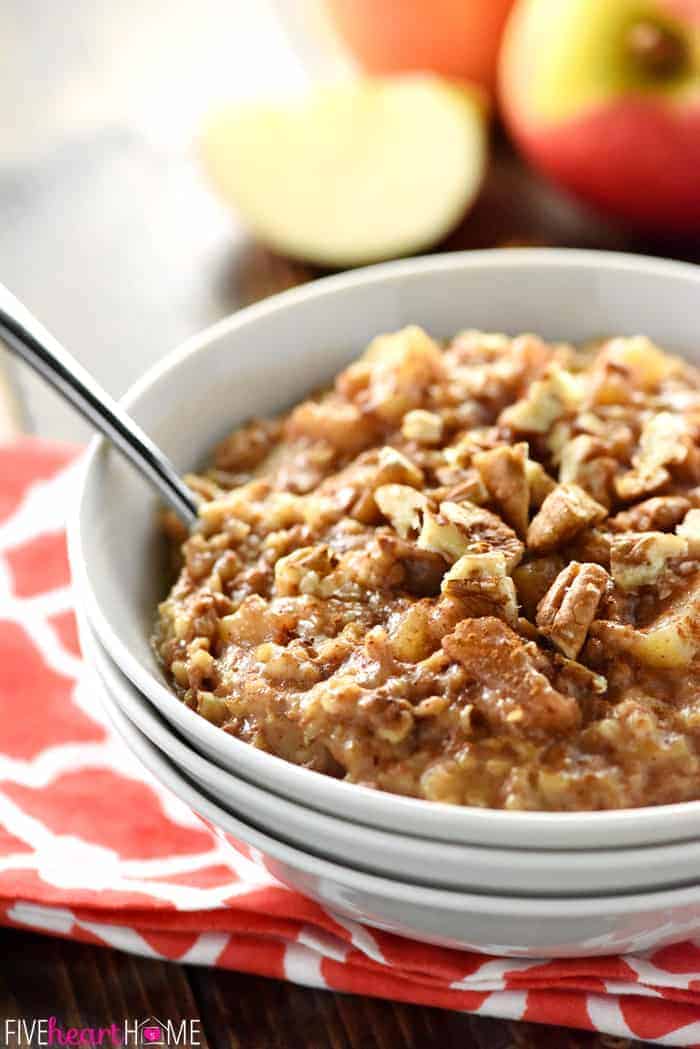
x=517 y=697
x=483 y=586
x=566 y=511
x=568 y=608
x=641 y=558
x=504 y=472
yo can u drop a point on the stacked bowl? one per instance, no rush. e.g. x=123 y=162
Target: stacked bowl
x=529 y=884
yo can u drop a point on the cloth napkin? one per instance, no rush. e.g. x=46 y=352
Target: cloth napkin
x=93 y=848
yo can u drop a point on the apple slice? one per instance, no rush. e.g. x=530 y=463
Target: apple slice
x=352 y=173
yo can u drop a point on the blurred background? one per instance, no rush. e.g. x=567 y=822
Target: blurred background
x=111 y=232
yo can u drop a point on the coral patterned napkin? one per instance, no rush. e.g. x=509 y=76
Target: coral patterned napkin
x=92 y=848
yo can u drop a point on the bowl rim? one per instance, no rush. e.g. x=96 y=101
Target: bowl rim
x=156 y=690
x=401 y=891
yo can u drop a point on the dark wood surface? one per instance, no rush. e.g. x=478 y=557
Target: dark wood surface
x=85 y=986
x=111 y=237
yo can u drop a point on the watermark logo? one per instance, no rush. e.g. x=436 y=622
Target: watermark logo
x=150 y=1033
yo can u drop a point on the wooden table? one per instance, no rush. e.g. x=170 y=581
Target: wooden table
x=86 y=986
x=110 y=236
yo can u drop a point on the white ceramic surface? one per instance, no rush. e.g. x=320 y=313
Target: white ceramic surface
x=542 y=873
x=513 y=926
x=268 y=356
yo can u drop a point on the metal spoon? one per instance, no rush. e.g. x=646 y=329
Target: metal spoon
x=26 y=337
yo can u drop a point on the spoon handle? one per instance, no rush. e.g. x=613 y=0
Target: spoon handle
x=26 y=337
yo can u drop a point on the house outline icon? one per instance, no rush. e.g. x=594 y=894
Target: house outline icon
x=150 y=1022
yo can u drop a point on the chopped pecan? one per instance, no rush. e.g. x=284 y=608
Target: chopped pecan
x=644 y=363
x=422 y=426
x=462 y=528
x=582 y=460
x=669 y=641
x=590 y=545
x=641 y=558
x=663 y=443
x=504 y=472
x=461 y=454
x=579 y=450
x=402 y=505
x=211 y=707
x=565 y=512
x=469 y=488
x=689 y=529
x=661 y=513
x=234 y=511
x=394 y=467
x=637 y=483
x=481 y=583
x=365 y=509
x=534 y=578
x=541 y=484
x=577 y=680
x=485 y=532
x=332 y=420
x=442 y=537
x=411 y=637
x=246 y=448
x=547 y=400
x=422 y=569
x=301 y=571
x=517 y=697
x=390 y=718
x=526 y=629
x=395 y=374
x=568 y=608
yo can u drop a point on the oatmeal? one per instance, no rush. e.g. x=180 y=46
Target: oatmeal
x=468 y=572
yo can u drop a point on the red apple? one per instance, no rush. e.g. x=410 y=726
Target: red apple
x=604 y=97
x=456 y=38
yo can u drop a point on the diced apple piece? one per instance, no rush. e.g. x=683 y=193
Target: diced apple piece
x=670 y=641
x=352 y=173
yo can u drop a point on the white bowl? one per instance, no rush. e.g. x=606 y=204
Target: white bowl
x=268 y=356
x=478 y=869
x=502 y=925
